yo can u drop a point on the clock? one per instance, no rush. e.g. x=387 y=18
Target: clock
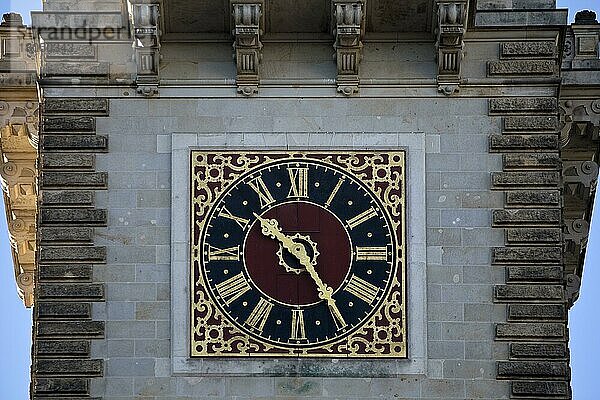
x=298 y=254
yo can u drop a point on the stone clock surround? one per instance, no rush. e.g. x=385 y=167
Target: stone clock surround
x=413 y=143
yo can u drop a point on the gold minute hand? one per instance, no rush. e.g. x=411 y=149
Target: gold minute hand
x=270 y=228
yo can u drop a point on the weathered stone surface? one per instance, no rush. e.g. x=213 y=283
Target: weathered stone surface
x=63 y=310
x=523 y=142
x=536 y=311
x=67 y=197
x=527 y=255
x=534 y=274
x=540 y=388
x=62 y=347
x=525 y=330
x=98 y=180
x=95 y=143
x=67 y=161
x=529 y=49
x=531 y=123
x=64 y=273
x=70 y=50
x=523 y=104
x=521 y=179
x=533 y=198
x=68 y=367
x=74 y=290
x=65 y=234
x=531 y=160
x=522 y=67
x=532 y=369
x=55 y=68
x=73 y=216
x=70 y=328
x=73 y=254
x=59 y=124
x=84 y=105
x=529 y=292
x=538 y=350
x=64 y=385
x=531 y=235
x=531 y=216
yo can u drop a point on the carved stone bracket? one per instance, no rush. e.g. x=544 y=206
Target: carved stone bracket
x=582 y=41
x=579 y=177
x=452 y=24
x=348 y=30
x=18 y=175
x=145 y=17
x=248 y=26
x=580 y=121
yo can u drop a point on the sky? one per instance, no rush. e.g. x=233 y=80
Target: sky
x=15 y=319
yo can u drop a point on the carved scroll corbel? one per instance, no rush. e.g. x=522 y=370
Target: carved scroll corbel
x=146 y=35
x=452 y=25
x=579 y=120
x=248 y=27
x=349 y=28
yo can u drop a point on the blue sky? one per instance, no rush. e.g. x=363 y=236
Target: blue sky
x=15 y=321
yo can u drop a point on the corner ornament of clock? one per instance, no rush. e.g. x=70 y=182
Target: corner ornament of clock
x=298 y=254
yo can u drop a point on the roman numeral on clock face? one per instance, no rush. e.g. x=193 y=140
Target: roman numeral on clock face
x=242 y=222
x=258 y=185
x=298 y=330
x=337 y=315
x=228 y=254
x=258 y=317
x=337 y=187
x=362 y=217
x=232 y=288
x=371 y=253
x=299 y=180
x=362 y=289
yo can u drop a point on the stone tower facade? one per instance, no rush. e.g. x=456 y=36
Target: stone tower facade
x=494 y=106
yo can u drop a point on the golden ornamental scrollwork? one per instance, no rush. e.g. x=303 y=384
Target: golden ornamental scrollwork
x=382 y=335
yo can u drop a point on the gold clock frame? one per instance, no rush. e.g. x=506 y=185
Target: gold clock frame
x=213 y=335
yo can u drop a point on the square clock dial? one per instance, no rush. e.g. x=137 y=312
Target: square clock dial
x=298 y=254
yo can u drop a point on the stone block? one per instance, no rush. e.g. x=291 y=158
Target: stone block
x=62 y=347
x=67 y=197
x=84 y=105
x=73 y=216
x=152 y=310
x=55 y=50
x=541 y=388
x=518 y=198
x=443 y=388
x=536 y=311
x=95 y=180
x=527 y=216
x=537 y=49
x=532 y=142
x=92 y=143
x=469 y=369
x=78 y=69
x=532 y=235
x=65 y=234
x=153 y=198
x=52 y=329
x=61 y=124
x=541 y=369
x=131 y=330
x=61 y=385
x=525 y=179
x=299 y=386
x=152 y=348
x=92 y=291
x=531 y=123
x=443 y=236
x=67 y=161
x=534 y=273
x=531 y=160
x=527 y=255
x=538 y=350
x=522 y=67
x=446 y=349
x=505 y=105
x=68 y=367
x=63 y=310
x=530 y=330
x=48 y=273
x=73 y=254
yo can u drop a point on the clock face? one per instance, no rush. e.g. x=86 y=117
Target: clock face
x=295 y=255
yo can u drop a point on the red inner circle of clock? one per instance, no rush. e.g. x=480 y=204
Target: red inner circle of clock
x=278 y=273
